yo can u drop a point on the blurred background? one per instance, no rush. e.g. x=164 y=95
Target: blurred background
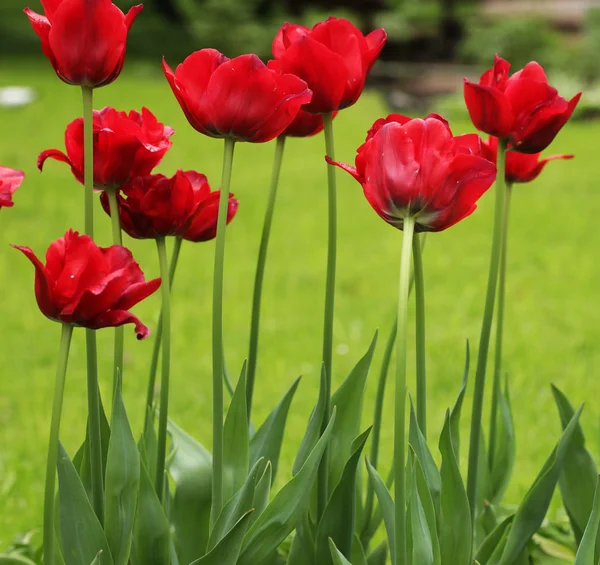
x=552 y=321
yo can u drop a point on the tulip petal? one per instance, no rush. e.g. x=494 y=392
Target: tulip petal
x=41 y=26
x=43 y=290
x=52 y=154
x=114 y=318
x=488 y=108
x=132 y=14
x=527 y=174
x=345 y=167
x=136 y=293
x=375 y=42
x=287 y=34
x=50 y=7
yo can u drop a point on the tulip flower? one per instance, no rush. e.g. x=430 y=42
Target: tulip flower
x=522 y=109
x=125 y=146
x=334 y=58
x=236 y=98
x=183 y=206
x=520 y=167
x=85 y=40
x=419 y=169
x=305 y=124
x=89 y=286
x=10 y=180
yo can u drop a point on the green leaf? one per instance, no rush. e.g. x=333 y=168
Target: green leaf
x=122 y=484
x=456 y=533
x=261 y=493
x=534 y=506
x=493 y=540
x=417 y=441
x=313 y=429
x=422 y=546
x=191 y=470
x=386 y=504
x=337 y=522
x=456 y=411
x=286 y=509
x=15 y=560
x=150 y=442
x=349 y=401
x=151 y=533
x=236 y=507
x=98 y=559
x=379 y=555
x=266 y=442
x=505 y=449
x=235 y=440
x=428 y=509
x=336 y=555
x=577 y=481
x=81 y=533
x=358 y=552
x=587 y=547
x=227 y=550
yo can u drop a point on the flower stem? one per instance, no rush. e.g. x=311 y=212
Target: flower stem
x=484 y=340
x=95 y=436
x=59 y=387
x=322 y=486
x=400 y=405
x=166 y=367
x=260 y=271
x=496 y=386
x=420 y=337
x=119 y=330
x=159 y=331
x=217 y=337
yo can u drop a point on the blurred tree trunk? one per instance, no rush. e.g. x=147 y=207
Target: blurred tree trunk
x=450 y=29
x=169 y=10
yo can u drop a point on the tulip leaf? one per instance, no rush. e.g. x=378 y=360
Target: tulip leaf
x=191 y=470
x=236 y=507
x=456 y=411
x=533 y=508
x=235 y=440
x=303 y=546
x=286 y=509
x=505 y=451
x=358 y=551
x=349 y=401
x=313 y=429
x=455 y=518
x=337 y=522
x=429 y=509
x=80 y=531
x=266 y=442
x=379 y=555
x=261 y=493
x=587 y=547
x=421 y=542
x=122 y=483
x=226 y=552
x=151 y=533
x=493 y=540
x=577 y=481
x=386 y=504
x=418 y=443
x=336 y=555
x=150 y=442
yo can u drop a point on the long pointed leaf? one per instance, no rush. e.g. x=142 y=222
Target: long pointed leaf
x=422 y=546
x=587 y=547
x=386 y=504
x=336 y=555
x=456 y=411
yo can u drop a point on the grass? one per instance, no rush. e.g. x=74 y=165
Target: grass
x=552 y=320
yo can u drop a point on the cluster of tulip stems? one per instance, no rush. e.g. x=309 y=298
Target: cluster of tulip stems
x=165 y=499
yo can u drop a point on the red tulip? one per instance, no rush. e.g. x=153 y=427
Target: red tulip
x=305 y=125
x=520 y=167
x=334 y=58
x=10 y=180
x=156 y=206
x=125 y=146
x=419 y=168
x=203 y=226
x=239 y=98
x=89 y=286
x=523 y=109
x=84 y=40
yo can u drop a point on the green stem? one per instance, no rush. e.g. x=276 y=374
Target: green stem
x=217 y=337
x=260 y=271
x=400 y=405
x=95 y=436
x=119 y=330
x=159 y=331
x=496 y=386
x=484 y=340
x=166 y=367
x=420 y=337
x=59 y=388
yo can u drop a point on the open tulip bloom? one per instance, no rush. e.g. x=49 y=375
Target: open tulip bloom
x=157 y=501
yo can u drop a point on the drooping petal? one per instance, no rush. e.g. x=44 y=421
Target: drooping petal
x=114 y=318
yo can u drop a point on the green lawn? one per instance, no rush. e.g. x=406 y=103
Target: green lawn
x=552 y=319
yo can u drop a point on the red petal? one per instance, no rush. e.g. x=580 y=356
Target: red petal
x=43 y=286
x=345 y=167
x=287 y=34
x=488 y=108
x=114 y=318
x=41 y=25
x=132 y=14
x=136 y=293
